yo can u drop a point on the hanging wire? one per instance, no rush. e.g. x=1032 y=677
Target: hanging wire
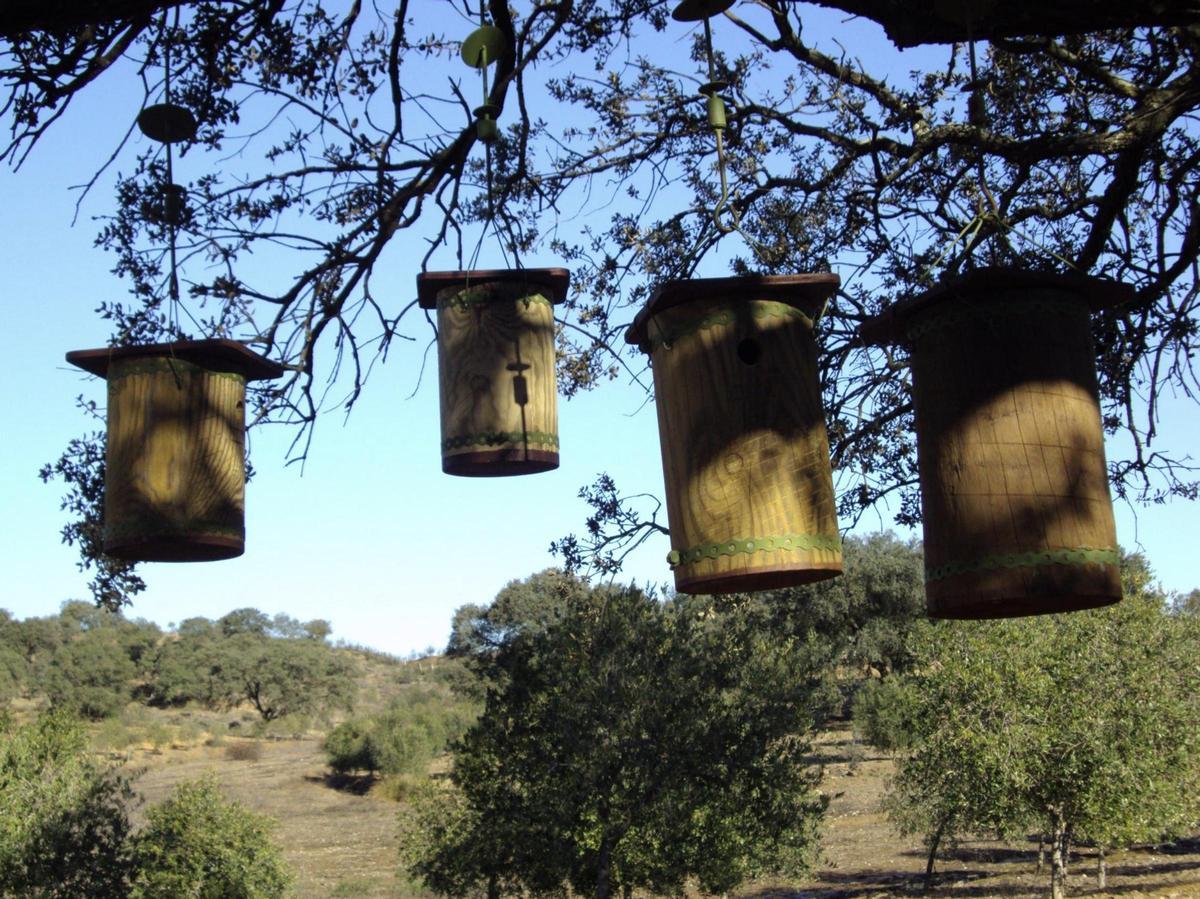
x=717 y=121
x=168 y=198
x=725 y=215
x=481 y=49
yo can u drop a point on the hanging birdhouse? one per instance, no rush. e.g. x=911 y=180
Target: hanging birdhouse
x=175 y=465
x=742 y=432
x=1014 y=488
x=496 y=370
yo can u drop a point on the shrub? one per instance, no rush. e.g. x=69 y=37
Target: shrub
x=63 y=825
x=244 y=751
x=882 y=715
x=347 y=749
x=90 y=676
x=198 y=844
x=401 y=787
x=405 y=738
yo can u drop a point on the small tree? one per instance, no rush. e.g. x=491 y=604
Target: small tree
x=244 y=621
x=222 y=667
x=526 y=606
x=1084 y=726
x=627 y=744
x=185 y=670
x=348 y=747
x=1188 y=604
x=856 y=624
x=63 y=825
x=14 y=669
x=280 y=677
x=198 y=844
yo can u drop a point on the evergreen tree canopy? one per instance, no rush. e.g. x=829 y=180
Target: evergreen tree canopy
x=627 y=745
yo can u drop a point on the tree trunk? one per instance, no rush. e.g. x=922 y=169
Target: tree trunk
x=604 y=870
x=627 y=890
x=1058 y=859
x=934 y=842
x=1041 y=862
x=493 y=888
x=1101 y=868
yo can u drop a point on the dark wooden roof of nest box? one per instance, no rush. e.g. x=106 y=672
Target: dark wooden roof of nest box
x=807 y=293
x=554 y=280
x=909 y=23
x=888 y=326
x=215 y=355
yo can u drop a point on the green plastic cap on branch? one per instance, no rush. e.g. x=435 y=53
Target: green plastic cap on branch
x=695 y=10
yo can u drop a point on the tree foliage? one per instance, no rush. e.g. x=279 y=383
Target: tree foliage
x=91 y=661
x=629 y=744
x=523 y=609
x=235 y=661
x=850 y=628
x=1083 y=726
x=352 y=128
x=63 y=827
x=86 y=661
x=857 y=624
x=417 y=727
x=65 y=830
x=90 y=675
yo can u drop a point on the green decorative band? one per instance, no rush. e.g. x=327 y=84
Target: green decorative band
x=750 y=545
x=948 y=316
x=760 y=310
x=486 y=294
x=1084 y=555
x=157 y=365
x=498 y=439
x=150 y=528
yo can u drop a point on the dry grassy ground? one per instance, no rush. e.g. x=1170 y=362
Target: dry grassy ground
x=863 y=857
x=340 y=842
x=337 y=841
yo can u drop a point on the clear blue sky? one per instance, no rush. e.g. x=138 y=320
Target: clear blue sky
x=372 y=536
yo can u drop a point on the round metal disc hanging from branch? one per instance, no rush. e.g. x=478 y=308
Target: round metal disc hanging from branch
x=484 y=46
x=167 y=123
x=698 y=10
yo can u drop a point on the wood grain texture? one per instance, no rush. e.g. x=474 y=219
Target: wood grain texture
x=1017 y=514
x=496 y=364
x=175 y=464
x=744 y=449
